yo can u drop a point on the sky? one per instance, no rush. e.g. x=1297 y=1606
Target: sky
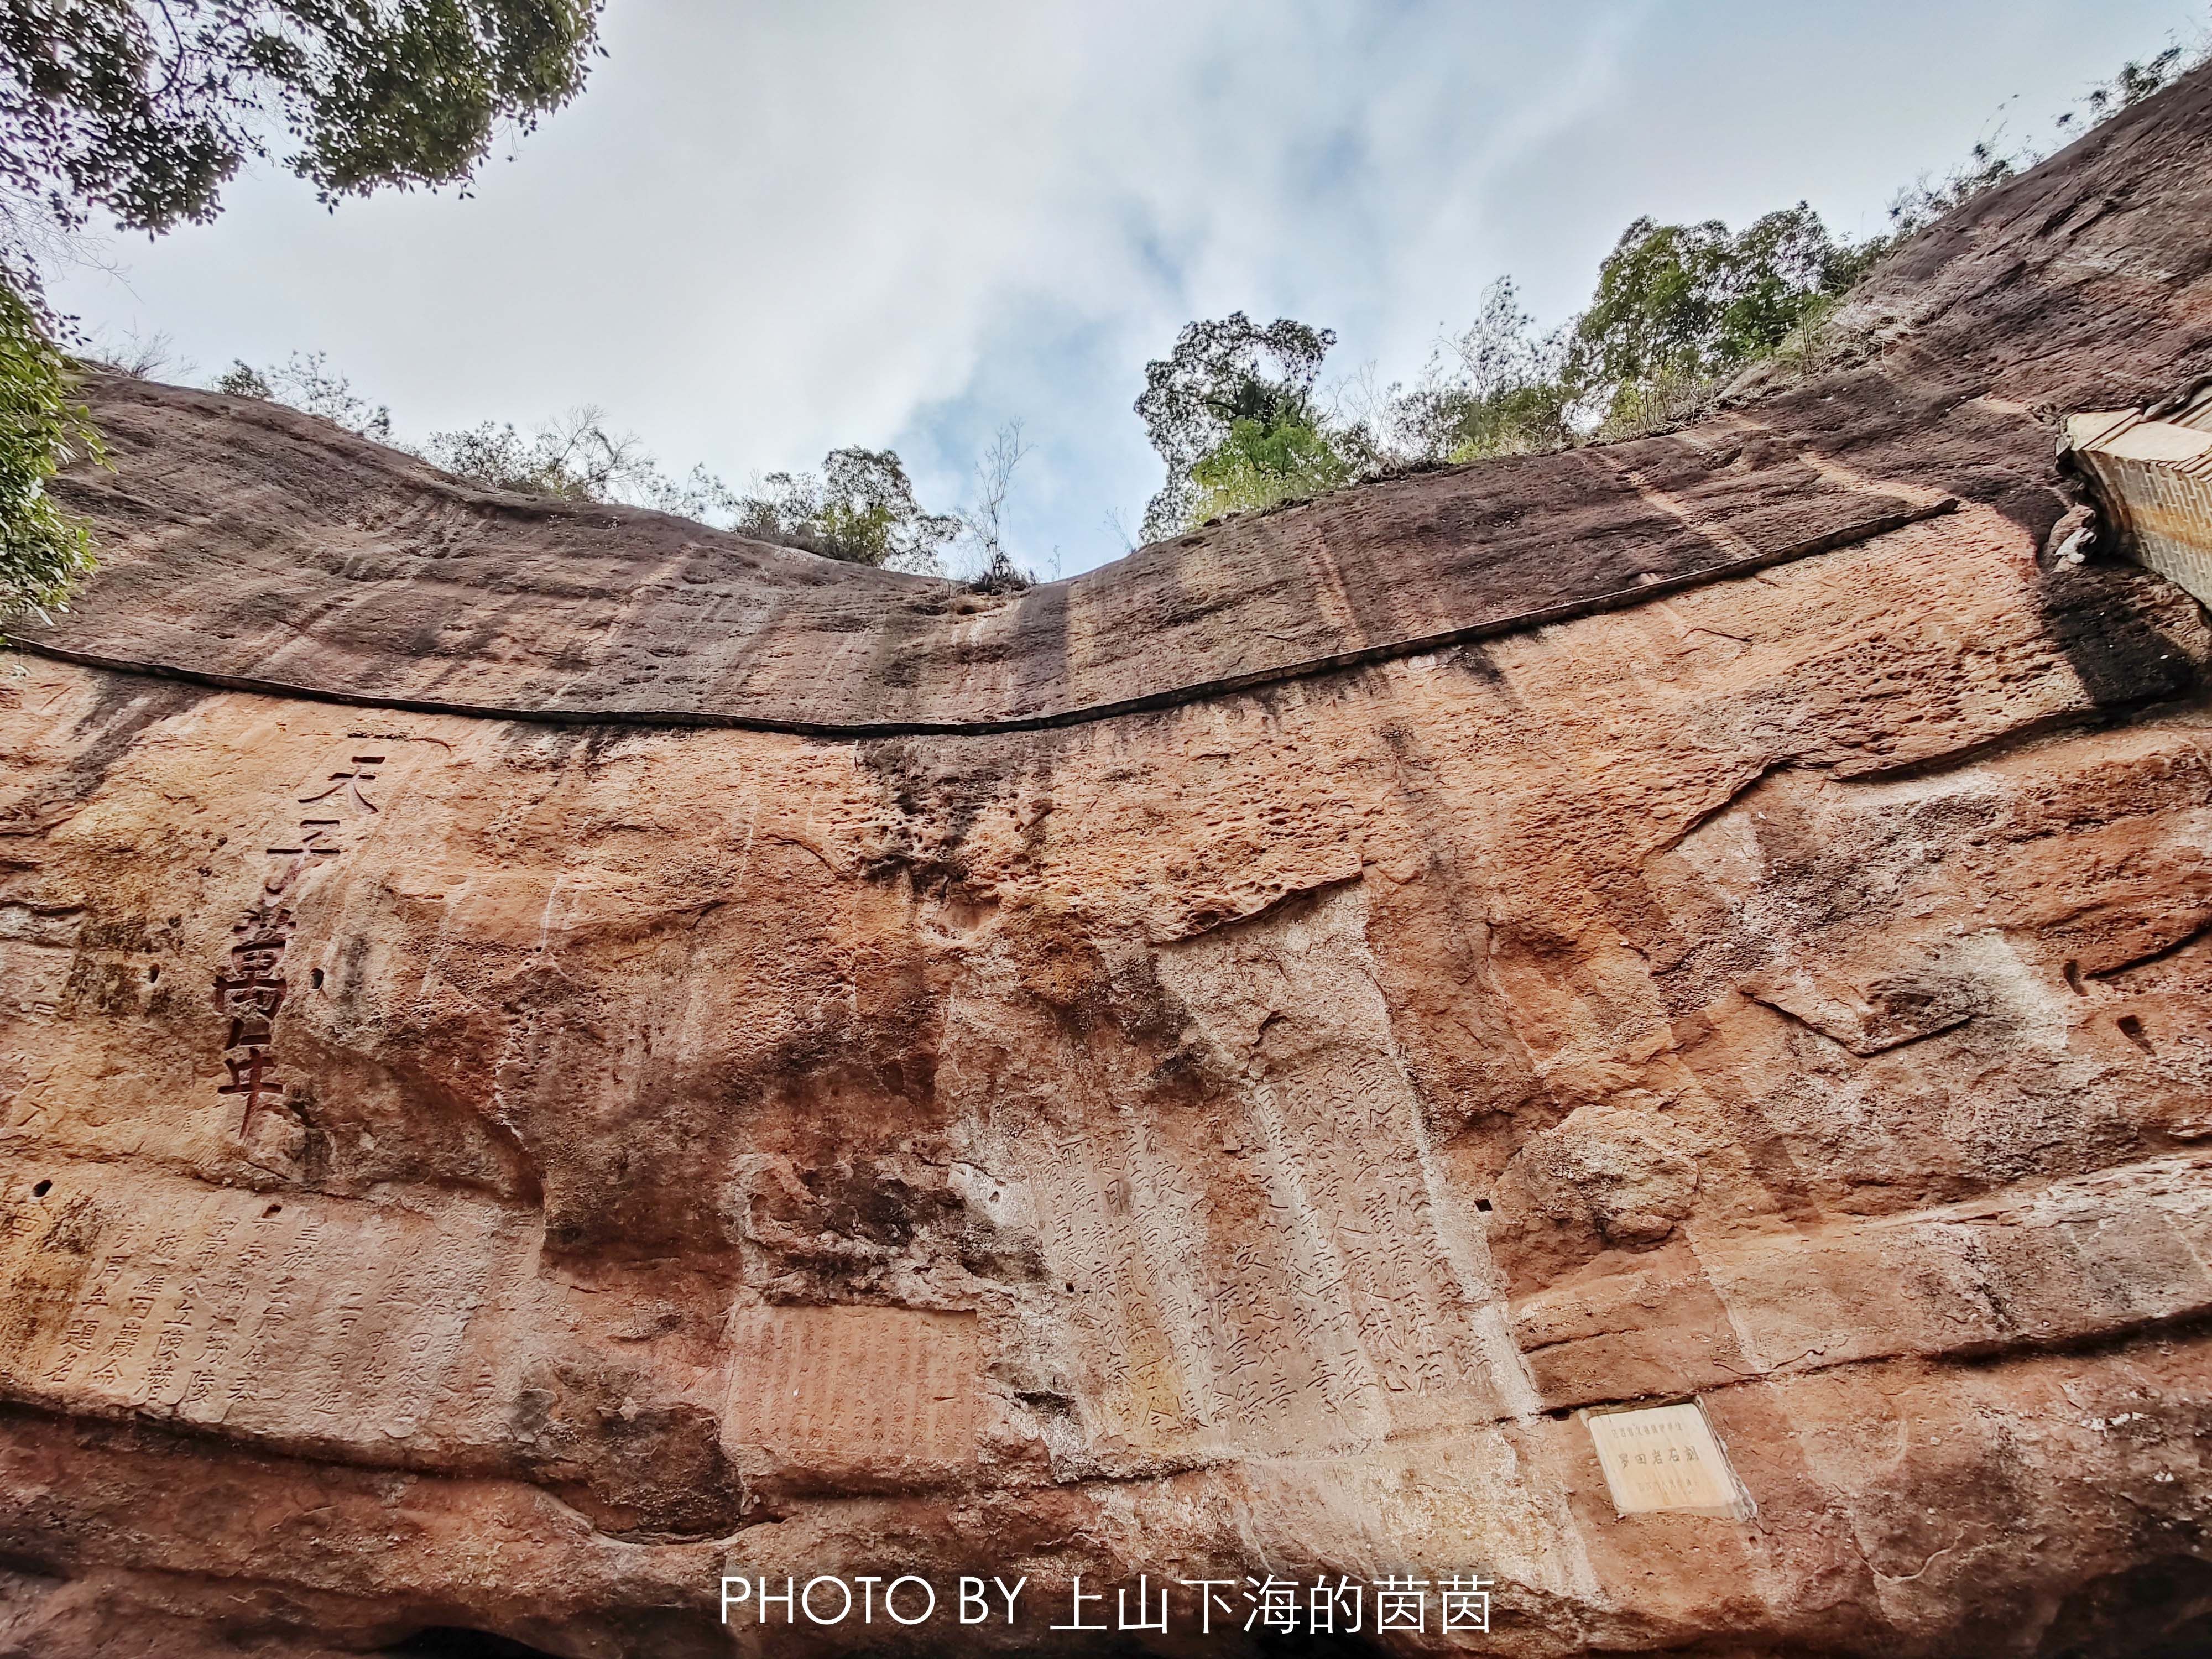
x=767 y=229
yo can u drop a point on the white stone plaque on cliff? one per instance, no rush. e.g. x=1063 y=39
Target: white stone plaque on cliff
x=1667 y=1458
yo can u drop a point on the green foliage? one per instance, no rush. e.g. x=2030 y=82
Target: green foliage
x=42 y=429
x=1526 y=420
x=242 y=380
x=1679 y=311
x=576 y=457
x=1233 y=412
x=1260 y=463
x=1683 y=303
x=860 y=507
x=143 y=111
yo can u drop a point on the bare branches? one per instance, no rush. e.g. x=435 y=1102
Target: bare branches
x=305 y=381
x=983 y=526
x=577 y=456
x=142 y=357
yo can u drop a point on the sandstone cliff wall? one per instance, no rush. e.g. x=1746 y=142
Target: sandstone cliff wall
x=547 y=1055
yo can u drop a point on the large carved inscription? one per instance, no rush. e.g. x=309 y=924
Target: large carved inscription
x=297 y=1318
x=1285 y=1270
x=251 y=985
x=1115 y=1200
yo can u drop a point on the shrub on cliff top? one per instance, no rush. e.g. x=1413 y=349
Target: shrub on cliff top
x=1496 y=388
x=1257 y=465
x=1233 y=412
x=1680 y=304
x=860 y=509
x=307 y=382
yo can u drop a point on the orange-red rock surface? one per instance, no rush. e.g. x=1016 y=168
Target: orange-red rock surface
x=548 y=1057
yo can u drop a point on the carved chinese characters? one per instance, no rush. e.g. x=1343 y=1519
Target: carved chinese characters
x=830 y=1389
x=251 y=987
x=332 y=1318
x=250 y=992
x=1281 y=1264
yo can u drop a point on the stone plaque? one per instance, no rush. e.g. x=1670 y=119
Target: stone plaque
x=1666 y=1457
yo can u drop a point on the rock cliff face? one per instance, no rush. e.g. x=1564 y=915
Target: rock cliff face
x=552 y=1055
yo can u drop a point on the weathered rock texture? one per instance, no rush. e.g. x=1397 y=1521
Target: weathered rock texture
x=784 y=1069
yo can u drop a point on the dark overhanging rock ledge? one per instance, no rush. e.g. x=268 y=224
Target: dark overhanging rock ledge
x=248 y=546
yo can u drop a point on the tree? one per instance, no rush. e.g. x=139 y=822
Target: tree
x=1220 y=374
x=574 y=456
x=143 y=109
x=860 y=508
x=42 y=427
x=984 y=524
x=1258 y=464
x=1690 y=301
